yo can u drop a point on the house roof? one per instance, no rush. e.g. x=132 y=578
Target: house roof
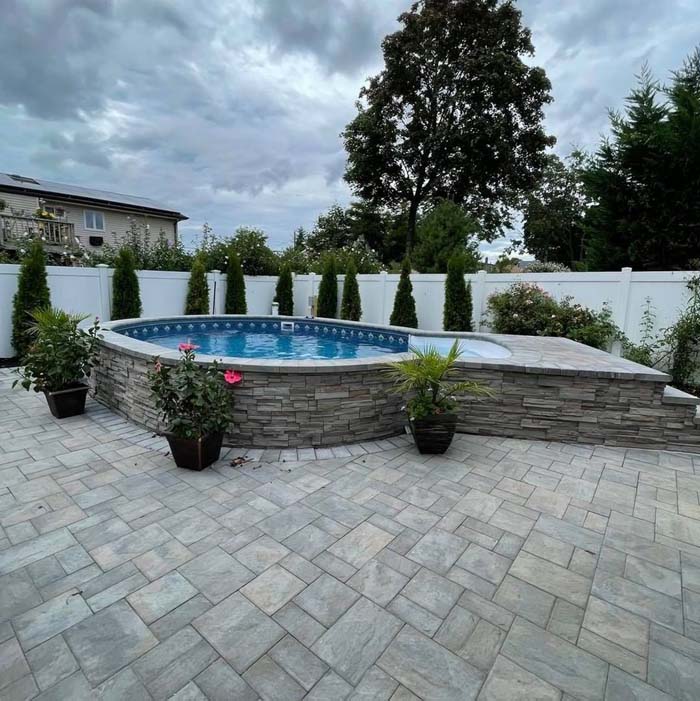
x=84 y=195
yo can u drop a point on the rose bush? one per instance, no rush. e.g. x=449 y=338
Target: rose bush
x=527 y=310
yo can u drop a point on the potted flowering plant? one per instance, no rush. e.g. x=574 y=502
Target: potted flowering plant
x=59 y=360
x=432 y=404
x=196 y=404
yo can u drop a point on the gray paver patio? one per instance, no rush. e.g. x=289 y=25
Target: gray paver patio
x=505 y=569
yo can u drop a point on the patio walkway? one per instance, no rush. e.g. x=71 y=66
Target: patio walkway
x=503 y=570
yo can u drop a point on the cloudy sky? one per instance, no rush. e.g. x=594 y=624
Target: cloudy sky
x=231 y=110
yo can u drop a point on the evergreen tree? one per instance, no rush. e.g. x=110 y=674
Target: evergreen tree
x=443 y=230
x=351 y=305
x=197 y=289
x=643 y=180
x=126 y=297
x=235 y=285
x=284 y=292
x=32 y=293
x=404 y=313
x=457 y=315
x=328 y=291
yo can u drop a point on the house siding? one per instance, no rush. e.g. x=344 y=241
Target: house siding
x=19 y=204
x=117 y=222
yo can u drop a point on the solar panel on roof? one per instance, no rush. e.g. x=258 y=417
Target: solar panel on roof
x=22 y=179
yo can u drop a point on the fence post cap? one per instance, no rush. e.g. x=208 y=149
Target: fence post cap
x=626 y=270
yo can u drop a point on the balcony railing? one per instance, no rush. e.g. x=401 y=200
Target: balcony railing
x=16 y=229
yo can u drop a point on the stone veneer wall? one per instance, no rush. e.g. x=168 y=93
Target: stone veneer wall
x=300 y=409
x=579 y=409
x=271 y=409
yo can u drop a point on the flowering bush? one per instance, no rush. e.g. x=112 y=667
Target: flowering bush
x=527 y=310
x=548 y=267
x=523 y=309
x=60 y=354
x=194 y=401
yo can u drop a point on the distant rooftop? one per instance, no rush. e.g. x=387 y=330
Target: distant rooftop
x=23 y=184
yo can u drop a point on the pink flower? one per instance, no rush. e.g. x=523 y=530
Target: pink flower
x=187 y=347
x=158 y=366
x=232 y=377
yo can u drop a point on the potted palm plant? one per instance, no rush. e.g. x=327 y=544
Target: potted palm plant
x=59 y=360
x=197 y=406
x=426 y=378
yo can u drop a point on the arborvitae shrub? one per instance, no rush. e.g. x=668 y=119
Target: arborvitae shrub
x=235 y=285
x=404 y=313
x=284 y=292
x=197 y=289
x=351 y=305
x=32 y=293
x=126 y=297
x=457 y=313
x=328 y=291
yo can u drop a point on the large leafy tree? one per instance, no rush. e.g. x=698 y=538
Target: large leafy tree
x=455 y=113
x=446 y=229
x=554 y=217
x=332 y=230
x=645 y=178
x=256 y=257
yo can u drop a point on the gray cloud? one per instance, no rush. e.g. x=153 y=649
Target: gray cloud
x=343 y=35
x=231 y=110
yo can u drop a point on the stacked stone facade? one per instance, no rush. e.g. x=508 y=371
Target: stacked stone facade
x=332 y=406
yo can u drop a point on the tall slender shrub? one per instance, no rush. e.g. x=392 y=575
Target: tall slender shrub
x=404 y=313
x=126 y=296
x=351 y=305
x=284 y=292
x=235 y=285
x=457 y=312
x=328 y=291
x=32 y=293
x=197 y=289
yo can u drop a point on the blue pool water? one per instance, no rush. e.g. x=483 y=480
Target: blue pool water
x=285 y=346
x=305 y=339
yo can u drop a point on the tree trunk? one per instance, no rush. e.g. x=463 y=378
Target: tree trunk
x=411 y=231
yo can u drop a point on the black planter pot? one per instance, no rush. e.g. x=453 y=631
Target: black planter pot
x=433 y=434
x=67 y=402
x=195 y=453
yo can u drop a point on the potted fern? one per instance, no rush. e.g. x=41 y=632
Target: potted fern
x=431 y=408
x=196 y=405
x=59 y=359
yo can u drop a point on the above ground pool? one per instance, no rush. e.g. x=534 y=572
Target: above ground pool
x=308 y=339
x=322 y=382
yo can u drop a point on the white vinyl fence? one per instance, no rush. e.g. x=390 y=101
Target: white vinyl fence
x=89 y=291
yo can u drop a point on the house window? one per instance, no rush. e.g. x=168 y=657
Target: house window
x=94 y=221
x=58 y=211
